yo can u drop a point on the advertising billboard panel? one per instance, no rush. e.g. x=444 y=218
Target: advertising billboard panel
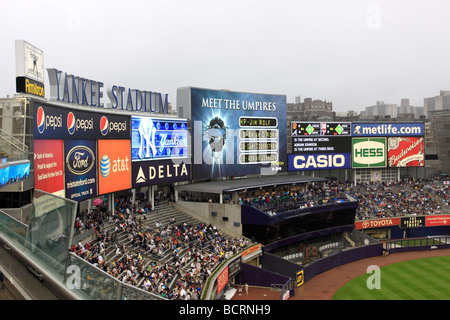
x=49 y=166
x=54 y=122
x=158 y=138
x=81 y=170
x=301 y=162
x=237 y=133
x=114 y=165
x=146 y=173
x=406 y=152
x=387 y=129
x=15 y=171
x=369 y=153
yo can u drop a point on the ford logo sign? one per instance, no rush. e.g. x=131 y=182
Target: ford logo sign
x=80 y=160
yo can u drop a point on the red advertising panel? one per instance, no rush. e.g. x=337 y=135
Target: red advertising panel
x=437 y=220
x=406 y=152
x=49 y=166
x=366 y=224
x=114 y=165
x=222 y=279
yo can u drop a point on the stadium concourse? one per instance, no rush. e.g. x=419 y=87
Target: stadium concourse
x=171 y=254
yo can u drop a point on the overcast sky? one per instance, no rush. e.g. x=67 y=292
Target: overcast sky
x=350 y=52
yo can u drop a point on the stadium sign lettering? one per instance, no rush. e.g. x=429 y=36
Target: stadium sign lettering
x=85 y=92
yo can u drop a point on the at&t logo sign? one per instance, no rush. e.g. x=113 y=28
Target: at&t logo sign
x=116 y=165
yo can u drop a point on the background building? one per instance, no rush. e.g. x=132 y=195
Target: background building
x=440 y=102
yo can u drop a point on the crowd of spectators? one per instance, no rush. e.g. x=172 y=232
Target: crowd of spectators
x=286 y=198
x=375 y=199
x=172 y=260
x=409 y=196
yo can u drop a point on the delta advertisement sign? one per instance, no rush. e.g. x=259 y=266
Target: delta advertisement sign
x=159 y=151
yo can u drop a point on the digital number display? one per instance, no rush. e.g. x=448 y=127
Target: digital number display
x=257 y=146
x=247 y=158
x=258 y=134
x=258 y=122
x=412 y=222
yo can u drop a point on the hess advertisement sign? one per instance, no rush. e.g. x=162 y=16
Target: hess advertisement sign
x=114 y=165
x=368 y=152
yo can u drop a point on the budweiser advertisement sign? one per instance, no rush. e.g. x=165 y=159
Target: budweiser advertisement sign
x=377 y=223
x=406 y=152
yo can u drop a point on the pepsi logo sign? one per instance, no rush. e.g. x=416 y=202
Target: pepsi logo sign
x=80 y=160
x=107 y=126
x=71 y=122
x=74 y=124
x=44 y=121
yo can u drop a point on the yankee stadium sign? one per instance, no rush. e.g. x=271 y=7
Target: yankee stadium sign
x=80 y=91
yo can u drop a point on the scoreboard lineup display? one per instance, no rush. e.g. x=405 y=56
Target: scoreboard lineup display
x=317 y=137
x=300 y=129
x=258 y=140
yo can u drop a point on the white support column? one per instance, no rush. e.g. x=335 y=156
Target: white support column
x=152 y=197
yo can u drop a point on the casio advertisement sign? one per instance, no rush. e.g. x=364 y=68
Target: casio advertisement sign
x=61 y=123
x=369 y=153
x=300 y=162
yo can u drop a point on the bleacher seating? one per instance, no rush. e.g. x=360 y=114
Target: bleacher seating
x=163 y=251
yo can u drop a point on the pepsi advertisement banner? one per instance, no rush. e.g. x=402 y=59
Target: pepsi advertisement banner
x=158 y=138
x=387 y=129
x=52 y=122
x=80 y=173
x=324 y=161
x=237 y=133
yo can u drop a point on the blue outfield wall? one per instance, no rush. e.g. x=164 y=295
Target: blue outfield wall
x=324 y=264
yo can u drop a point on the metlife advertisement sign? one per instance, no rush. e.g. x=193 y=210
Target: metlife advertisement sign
x=387 y=129
x=62 y=123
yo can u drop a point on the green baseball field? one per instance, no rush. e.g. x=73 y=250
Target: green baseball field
x=420 y=279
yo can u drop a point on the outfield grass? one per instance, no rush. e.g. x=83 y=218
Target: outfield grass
x=420 y=279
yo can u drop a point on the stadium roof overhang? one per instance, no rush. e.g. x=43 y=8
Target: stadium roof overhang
x=224 y=186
